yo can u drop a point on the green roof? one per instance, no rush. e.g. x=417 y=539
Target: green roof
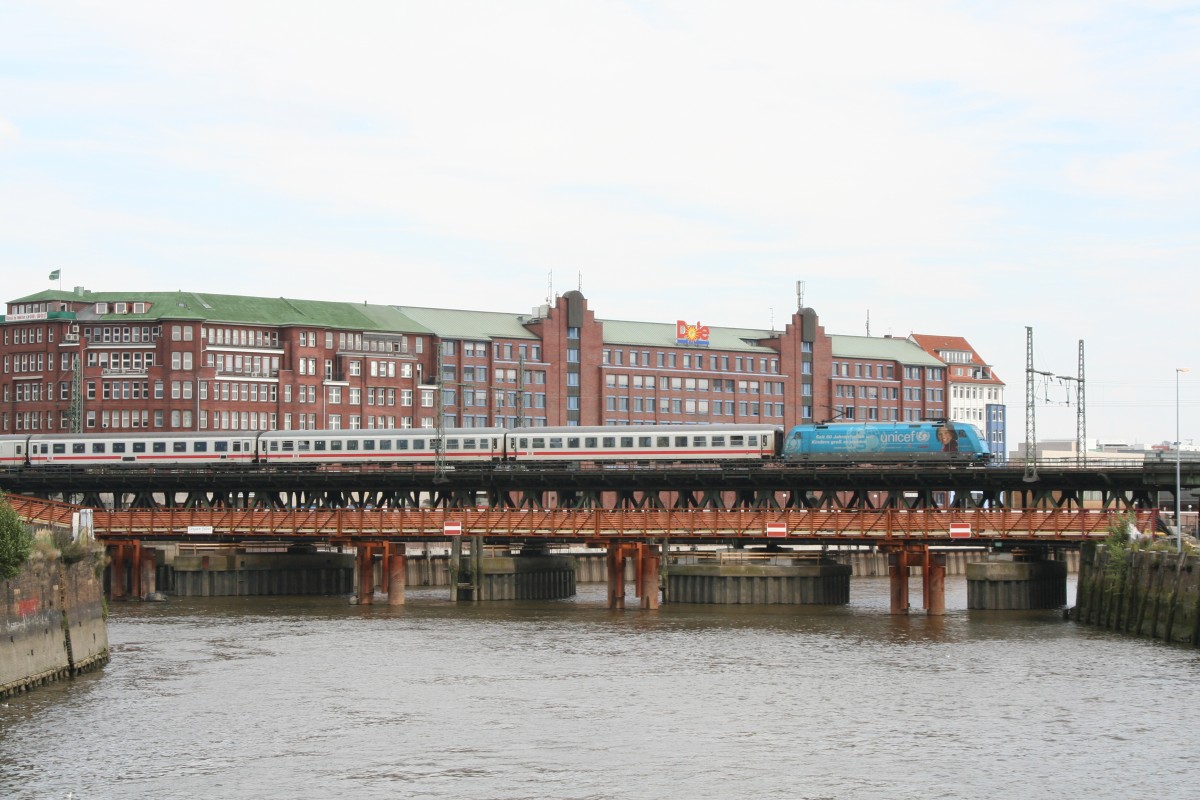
x=663 y=334
x=450 y=323
x=884 y=348
x=279 y=311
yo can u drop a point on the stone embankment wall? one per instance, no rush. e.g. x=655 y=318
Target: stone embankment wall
x=1155 y=594
x=52 y=624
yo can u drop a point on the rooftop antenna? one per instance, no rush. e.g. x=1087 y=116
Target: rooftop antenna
x=772 y=310
x=868 y=322
x=550 y=286
x=580 y=276
x=799 y=295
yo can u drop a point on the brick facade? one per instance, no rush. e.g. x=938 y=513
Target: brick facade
x=186 y=361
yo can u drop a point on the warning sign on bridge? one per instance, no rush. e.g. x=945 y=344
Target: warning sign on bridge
x=452 y=529
x=776 y=529
x=960 y=530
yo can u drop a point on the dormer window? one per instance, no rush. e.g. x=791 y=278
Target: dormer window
x=120 y=308
x=139 y=308
x=101 y=308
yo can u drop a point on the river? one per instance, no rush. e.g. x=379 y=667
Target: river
x=315 y=698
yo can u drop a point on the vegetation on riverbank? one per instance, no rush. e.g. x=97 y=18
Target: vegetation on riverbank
x=16 y=541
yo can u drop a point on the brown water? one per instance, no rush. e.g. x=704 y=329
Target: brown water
x=314 y=698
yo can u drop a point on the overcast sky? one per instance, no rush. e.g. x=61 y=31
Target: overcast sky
x=956 y=168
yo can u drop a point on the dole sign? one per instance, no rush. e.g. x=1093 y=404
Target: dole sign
x=686 y=333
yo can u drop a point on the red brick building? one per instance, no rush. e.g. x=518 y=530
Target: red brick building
x=191 y=361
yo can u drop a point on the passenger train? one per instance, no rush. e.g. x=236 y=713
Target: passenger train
x=609 y=445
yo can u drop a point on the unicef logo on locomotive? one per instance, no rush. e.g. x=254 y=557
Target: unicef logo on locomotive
x=889 y=441
x=879 y=442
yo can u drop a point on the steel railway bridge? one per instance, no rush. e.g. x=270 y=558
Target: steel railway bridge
x=790 y=487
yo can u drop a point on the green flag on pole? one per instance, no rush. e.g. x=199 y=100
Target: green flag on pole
x=54 y=275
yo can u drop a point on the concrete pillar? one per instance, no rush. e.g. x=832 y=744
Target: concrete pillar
x=1003 y=584
x=397 y=576
x=650 y=577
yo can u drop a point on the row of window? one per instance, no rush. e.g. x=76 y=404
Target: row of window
x=670 y=359
x=122 y=334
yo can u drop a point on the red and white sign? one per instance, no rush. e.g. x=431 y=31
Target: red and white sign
x=776 y=529
x=960 y=530
x=452 y=529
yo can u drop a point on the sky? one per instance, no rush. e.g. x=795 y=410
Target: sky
x=952 y=168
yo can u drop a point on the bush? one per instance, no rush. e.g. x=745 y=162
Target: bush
x=15 y=541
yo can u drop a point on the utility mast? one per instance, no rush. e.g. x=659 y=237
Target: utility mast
x=1030 y=413
x=1081 y=414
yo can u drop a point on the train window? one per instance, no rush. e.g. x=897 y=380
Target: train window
x=752 y=441
x=468 y=444
x=274 y=446
x=522 y=443
x=609 y=441
x=718 y=441
x=139 y=447
x=402 y=444
x=352 y=444
x=78 y=447
x=538 y=442
x=385 y=444
x=700 y=441
x=118 y=447
x=179 y=447
x=573 y=442
x=158 y=447
x=418 y=444
x=590 y=442
x=237 y=446
x=221 y=447
x=368 y=444
x=201 y=447
x=556 y=442
x=336 y=444
x=60 y=448
x=319 y=445
x=304 y=445
x=644 y=441
x=664 y=441
x=452 y=444
x=737 y=441
x=626 y=441
x=289 y=446
x=681 y=441
x=97 y=447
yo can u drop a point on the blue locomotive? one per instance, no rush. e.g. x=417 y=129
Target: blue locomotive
x=883 y=442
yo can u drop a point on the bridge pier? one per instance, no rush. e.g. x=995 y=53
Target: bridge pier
x=933 y=578
x=646 y=559
x=395 y=572
x=365 y=570
x=116 y=571
x=1003 y=583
